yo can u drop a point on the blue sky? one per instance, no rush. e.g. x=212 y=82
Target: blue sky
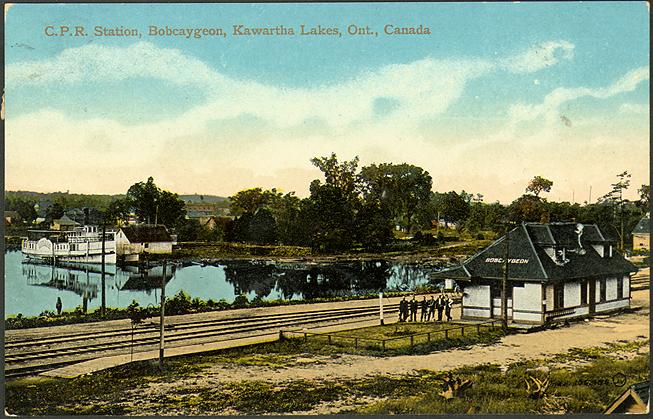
x=478 y=103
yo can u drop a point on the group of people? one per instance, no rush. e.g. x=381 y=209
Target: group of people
x=408 y=309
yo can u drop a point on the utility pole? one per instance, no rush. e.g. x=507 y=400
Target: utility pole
x=104 y=286
x=381 y=308
x=504 y=285
x=163 y=310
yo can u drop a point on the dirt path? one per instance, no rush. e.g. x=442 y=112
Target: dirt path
x=627 y=327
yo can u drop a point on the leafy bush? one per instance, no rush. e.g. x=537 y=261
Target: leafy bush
x=179 y=304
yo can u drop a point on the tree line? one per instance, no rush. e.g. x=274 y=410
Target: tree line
x=360 y=208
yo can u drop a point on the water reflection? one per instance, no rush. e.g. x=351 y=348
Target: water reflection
x=32 y=288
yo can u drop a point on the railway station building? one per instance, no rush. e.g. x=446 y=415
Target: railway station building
x=556 y=271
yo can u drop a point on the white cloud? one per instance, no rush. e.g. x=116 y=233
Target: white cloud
x=634 y=108
x=188 y=154
x=549 y=108
x=543 y=55
x=422 y=88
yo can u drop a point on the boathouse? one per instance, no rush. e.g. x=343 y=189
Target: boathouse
x=556 y=271
x=132 y=240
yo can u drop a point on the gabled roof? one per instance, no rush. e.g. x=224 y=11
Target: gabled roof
x=644 y=226
x=635 y=399
x=65 y=220
x=146 y=233
x=528 y=258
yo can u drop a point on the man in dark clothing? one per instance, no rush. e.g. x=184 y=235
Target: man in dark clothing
x=403 y=310
x=413 y=310
x=447 y=308
x=59 y=306
x=440 y=307
x=424 y=306
x=431 y=314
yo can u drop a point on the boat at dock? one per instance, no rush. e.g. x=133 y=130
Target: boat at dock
x=79 y=245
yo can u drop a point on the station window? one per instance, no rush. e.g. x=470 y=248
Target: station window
x=620 y=288
x=558 y=296
x=583 y=292
x=602 y=297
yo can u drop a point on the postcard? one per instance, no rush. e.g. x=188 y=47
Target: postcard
x=326 y=208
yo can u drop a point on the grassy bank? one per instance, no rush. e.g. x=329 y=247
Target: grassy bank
x=581 y=381
x=180 y=303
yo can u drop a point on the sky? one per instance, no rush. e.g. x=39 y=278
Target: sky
x=497 y=94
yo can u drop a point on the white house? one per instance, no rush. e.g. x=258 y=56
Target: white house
x=556 y=271
x=132 y=240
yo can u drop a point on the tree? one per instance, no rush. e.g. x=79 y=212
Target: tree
x=339 y=175
x=153 y=205
x=250 y=200
x=528 y=208
x=453 y=207
x=117 y=211
x=331 y=218
x=538 y=185
x=401 y=187
x=616 y=200
x=22 y=206
x=645 y=196
x=54 y=212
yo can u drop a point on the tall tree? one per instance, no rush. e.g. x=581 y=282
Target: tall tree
x=538 y=185
x=339 y=175
x=615 y=198
x=153 y=205
x=402 y=187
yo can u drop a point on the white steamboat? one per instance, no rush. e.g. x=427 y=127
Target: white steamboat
x=80 y=245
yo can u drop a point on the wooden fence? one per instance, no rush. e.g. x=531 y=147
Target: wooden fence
x=383 y=344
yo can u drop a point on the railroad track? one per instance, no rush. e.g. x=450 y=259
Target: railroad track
x=24 y=357
x=640 y=282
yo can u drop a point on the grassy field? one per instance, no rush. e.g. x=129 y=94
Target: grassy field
x=420 y=337
x=588 y=387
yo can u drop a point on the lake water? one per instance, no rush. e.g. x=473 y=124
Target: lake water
x=32 y=288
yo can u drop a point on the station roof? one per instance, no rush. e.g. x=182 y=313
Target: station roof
x=528 y=258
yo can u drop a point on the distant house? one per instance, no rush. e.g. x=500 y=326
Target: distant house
x=634 y=400
x=13 y=218
x=64 y=224
x=642 y=234
x=556 y=271
x=132 y=240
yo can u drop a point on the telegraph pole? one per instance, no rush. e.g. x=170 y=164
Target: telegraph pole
x=104 y=298
x=504 y=284
x=163 y=309
x=381 y=308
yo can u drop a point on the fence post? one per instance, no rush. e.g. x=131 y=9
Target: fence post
x=280 y=335
x=446 y=333
x=462 y=331
x=329 y=338
x=428 y=336
x=305 y=337
x=478 y=328
x=412 y=340
x=383 y=345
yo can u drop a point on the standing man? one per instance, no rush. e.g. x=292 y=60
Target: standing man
x=440 y=306
x=403 y=310
x=59 y=306
x=424 y=306
x=431 y=314
x=447 y=308
x=413 y=309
